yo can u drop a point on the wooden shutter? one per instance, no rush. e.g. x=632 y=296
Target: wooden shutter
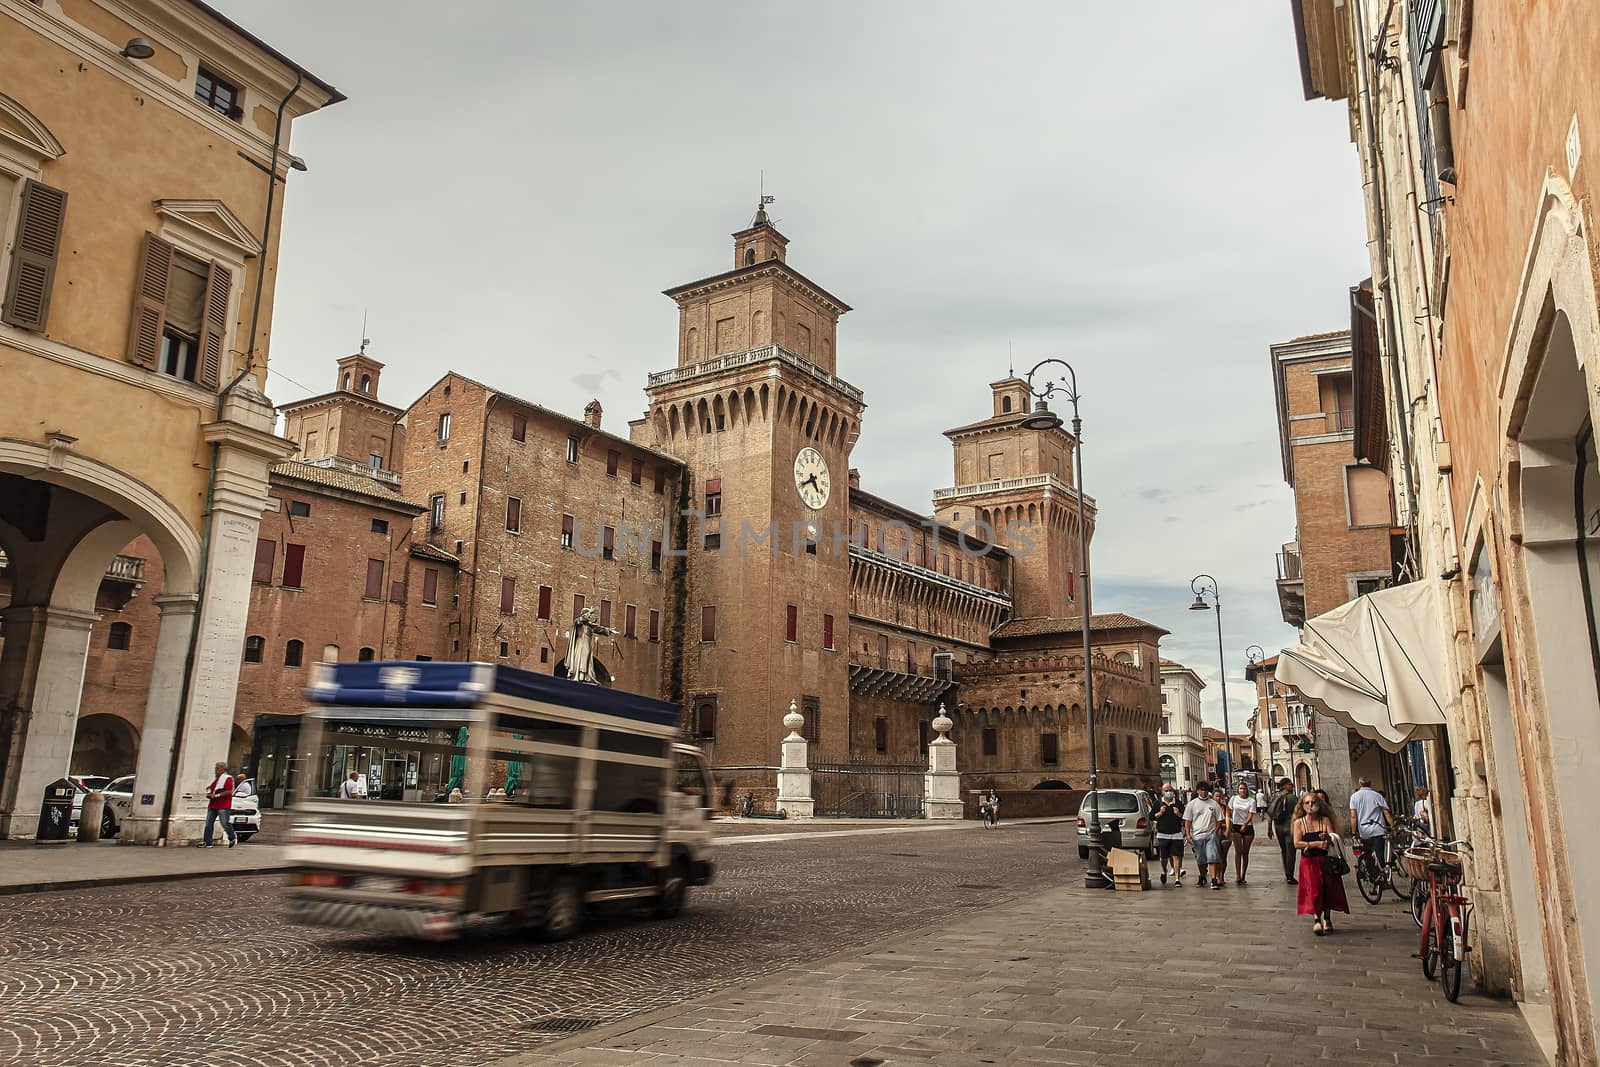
x=266 y=550
x=294 y=565
x=544 y=601
x=33 y=260
x=374 y=590
x=430 y=585
x=827 y=631
x=513 y=513
x=577 y=606
x=655 y=624
x=708 y=623
x=613 y=457
x=214 y=326
x=149 y=316
x=632 y=620
x=397 y=592
x=791 y=622
x=508 y=595
x=605 y=613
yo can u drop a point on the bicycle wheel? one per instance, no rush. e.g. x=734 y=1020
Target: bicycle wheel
x=1400 y=880
x=1419 y=902
x=1430 y=956
x=1369 y=880
x=1449 y=969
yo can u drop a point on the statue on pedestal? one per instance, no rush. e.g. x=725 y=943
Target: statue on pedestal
x=580 y=646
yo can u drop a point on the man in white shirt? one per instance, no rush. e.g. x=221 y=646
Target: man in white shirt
x=350 y=788
x=1202 y=822
x=1370 y=819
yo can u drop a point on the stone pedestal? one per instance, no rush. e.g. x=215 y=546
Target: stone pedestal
x=794 y=778
x=941 y=787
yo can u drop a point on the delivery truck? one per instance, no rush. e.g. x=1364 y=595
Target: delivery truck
x=493 y=795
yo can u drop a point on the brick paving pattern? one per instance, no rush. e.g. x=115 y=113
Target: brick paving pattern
x=206 y=972
x=1076 y=976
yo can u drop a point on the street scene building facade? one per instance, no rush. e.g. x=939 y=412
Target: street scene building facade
x=143 y=151
x=1182 y=738
x=1482 y=342
x=1282 y=732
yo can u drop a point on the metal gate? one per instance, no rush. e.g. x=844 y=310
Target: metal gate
x=868 y=790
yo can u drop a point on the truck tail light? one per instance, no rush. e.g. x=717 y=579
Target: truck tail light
x=323 y=879
x=426 y=887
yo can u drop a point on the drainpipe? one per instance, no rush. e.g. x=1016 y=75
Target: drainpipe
x=211 y=479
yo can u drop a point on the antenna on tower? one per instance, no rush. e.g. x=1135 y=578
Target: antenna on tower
x=365 y=340
x=1011 y=362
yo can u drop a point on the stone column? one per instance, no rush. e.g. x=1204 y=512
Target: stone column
x=941 y=786
x=794 y=778
x=150 y=783
x=49 y=689
x=246 y=450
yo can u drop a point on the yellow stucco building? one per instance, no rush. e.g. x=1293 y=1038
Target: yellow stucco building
x=140 y=230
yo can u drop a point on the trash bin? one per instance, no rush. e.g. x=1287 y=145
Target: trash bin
x=91 y=815
x=55 y=812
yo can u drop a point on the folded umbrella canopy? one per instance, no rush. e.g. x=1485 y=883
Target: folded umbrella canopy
x=1376 y=665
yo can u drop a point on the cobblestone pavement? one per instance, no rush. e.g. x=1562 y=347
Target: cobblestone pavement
x=1077 y=976
x=205 y=972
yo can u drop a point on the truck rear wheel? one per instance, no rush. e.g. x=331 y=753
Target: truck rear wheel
x=674 y=890
x=563 y=913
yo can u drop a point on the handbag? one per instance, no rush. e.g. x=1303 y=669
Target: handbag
x=1334 y=864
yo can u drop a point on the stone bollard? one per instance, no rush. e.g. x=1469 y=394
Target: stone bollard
x=90 y=815
x=794 y=778
x=941 y=787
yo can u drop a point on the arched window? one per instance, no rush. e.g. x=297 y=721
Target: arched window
x=346 y=379
x=749 y=256
x=1005 y=405
x=254 y=646
x=366 y=383
x=119 y=636
x=330 y=653
x=293 y=653
x=366 y=655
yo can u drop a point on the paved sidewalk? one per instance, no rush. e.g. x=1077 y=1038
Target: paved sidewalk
x=1077 y=976
x=26 y=867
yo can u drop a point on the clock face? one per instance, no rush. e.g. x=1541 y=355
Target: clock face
x=811 y=478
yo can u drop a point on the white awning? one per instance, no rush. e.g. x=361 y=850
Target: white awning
x=1376 y=665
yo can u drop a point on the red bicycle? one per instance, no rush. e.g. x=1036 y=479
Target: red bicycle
x=1446 y=919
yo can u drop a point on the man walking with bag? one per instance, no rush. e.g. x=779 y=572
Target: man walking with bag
x=1280 y=824
x=219 y=806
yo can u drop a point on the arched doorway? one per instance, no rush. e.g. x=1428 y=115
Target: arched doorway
x=1169 y=769
x=1302 y=778
x=105 y=744
x=1559 y=502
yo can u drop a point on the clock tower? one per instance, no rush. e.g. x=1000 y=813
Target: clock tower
x=765 y=428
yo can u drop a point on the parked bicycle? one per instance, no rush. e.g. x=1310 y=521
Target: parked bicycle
x=1374 y=875
x=1446 y=918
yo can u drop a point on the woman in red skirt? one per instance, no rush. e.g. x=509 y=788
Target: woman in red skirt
x=1321 y=893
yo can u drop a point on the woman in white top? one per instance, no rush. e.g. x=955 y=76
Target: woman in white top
x=1241 y=825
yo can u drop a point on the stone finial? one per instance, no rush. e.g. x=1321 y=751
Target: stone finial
x=942 y=724
x=793 y=721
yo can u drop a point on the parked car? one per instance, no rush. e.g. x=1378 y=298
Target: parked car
x=119 y=804
x=1127 y=809
x=246 y=813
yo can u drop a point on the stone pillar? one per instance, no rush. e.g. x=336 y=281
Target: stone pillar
x=941 y=786
x=794 y=778
x=150 y=783
x=49 y=687
x=246 y=450
x=1332 y=767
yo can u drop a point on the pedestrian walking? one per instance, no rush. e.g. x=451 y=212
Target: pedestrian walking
x=1422 y=810
x=994 y=808
x=350 y=788
x=1242 y=808
x=1321 y=888
x=1169 y=836
x=1202 y=828
x=1370 y=820
x=219 y=807
x=1280 y=824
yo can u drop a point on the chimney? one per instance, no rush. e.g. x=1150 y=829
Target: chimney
x=591 y=413
x=855 y=478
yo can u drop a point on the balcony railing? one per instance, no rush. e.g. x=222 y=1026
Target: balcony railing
x=996 y=485
x=1341 y=421
x=763 y=354
x=1289 y=569
x=128 y=569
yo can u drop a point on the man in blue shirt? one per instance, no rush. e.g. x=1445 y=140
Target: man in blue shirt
x=1370 y=819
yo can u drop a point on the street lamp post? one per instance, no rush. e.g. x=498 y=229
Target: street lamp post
x=1253 y=656
x=1042 y=418
x=1206 y=586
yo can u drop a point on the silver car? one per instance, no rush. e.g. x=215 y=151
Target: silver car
x=1127 y=810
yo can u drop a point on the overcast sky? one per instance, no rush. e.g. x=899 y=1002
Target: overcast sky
x=511 y=185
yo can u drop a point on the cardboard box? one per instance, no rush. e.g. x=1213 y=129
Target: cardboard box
x=1129 y=870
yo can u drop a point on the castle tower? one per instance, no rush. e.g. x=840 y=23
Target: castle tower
x=349 y=423
x=1019 y=482
x=765 y=429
